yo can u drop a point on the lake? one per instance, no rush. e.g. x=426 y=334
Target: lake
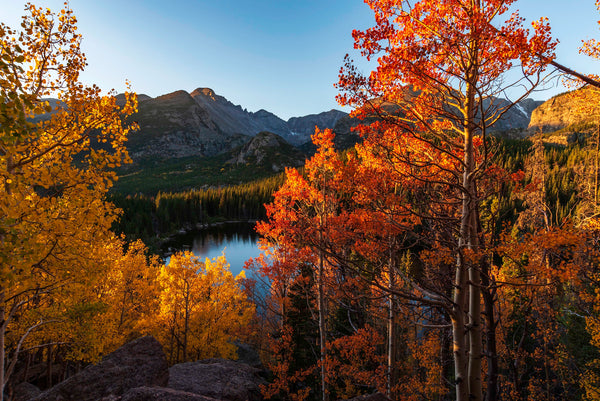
x=238 y=240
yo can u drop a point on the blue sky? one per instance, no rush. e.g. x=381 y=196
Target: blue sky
x=280 y=55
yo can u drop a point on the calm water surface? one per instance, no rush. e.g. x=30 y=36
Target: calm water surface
x=237 y=240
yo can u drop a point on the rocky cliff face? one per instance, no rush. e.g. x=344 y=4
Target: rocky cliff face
x=267 y=121
x=232 y=119
x=270 y=150
x=558 y=113
x=229 y=118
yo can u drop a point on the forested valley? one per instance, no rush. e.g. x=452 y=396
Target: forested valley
x=436 y=259
x=152 y=218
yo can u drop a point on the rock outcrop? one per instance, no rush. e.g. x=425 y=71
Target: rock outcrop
x=138 y=371
x=217 y=378
x=557 y=113
x=139 y=363
x=271 y=150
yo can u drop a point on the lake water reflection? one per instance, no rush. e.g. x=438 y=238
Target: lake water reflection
x=238 y=240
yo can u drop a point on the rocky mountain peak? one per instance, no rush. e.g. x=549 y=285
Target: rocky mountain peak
x=262 y=113
x=206 y=92
x=121 y=100
x=174 y=97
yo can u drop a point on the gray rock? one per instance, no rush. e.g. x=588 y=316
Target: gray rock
x=139 y=363
x=25 y=392
x=218 y=378
x=161 y=394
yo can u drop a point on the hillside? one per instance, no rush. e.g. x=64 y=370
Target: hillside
x=268 y=150
x=558 y=113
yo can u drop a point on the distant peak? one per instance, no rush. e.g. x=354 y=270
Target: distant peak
x=262 y=113
x=205 y=92
x=174 y=95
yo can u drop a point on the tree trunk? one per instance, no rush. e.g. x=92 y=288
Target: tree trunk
x=49 y=372
x=596 y=166
x=459 y=333
x=321 y=293
x=475 y=343
x=469 y=239
x=2 y=344
x=490 y=340
x=322 y=334
x=391 y=348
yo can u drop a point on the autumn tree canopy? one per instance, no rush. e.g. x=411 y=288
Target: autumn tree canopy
x=54 y=174
x=441 y=67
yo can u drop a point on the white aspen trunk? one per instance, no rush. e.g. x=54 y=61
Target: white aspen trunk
x=321 y=292
x=475 y=343
x=469 y=229
x=459 y=333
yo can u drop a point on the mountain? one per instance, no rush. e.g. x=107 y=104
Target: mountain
x=175 y=125
x=514 y=121
x=557 y=113
x=271 y=150
x=303 y=127
x=203 y=123
x=232 y=119
x=189 y=140
x=517 y=118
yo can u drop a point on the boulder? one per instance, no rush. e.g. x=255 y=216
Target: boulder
x=161 y=394
x=218 y=378
x=139 y=363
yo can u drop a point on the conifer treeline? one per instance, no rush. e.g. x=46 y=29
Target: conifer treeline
x=146 y=217
x=561 y=185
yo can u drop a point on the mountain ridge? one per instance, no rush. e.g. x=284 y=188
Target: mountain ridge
x=203 y=123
